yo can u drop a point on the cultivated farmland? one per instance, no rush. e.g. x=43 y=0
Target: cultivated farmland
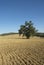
x=15 y=50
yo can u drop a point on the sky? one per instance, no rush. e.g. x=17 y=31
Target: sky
x=14 y=13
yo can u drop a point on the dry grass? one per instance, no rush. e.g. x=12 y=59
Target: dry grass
x=17 y=51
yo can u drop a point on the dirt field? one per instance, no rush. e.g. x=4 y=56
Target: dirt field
x=17 y=51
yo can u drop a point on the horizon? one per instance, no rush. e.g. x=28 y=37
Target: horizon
x=14 y=13
x=15 y=33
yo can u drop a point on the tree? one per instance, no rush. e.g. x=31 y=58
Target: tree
x=27 y=29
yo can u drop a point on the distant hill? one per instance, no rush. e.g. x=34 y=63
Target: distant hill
x=11 y=33
x=39 y=34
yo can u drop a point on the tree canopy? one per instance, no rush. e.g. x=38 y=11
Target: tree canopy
x=27 y=29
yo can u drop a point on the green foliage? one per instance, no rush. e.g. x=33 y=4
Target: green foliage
x=39 y=34
x=27 y=29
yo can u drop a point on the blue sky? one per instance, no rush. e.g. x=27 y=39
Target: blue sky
x=13 y=13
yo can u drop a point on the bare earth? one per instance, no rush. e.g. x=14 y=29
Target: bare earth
x=17 y=51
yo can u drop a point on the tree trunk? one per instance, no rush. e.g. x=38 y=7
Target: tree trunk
x=28 y=37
